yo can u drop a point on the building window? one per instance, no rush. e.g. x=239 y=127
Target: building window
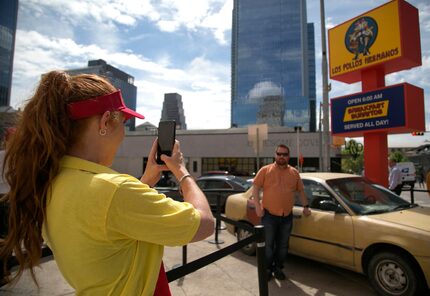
x=246 y=166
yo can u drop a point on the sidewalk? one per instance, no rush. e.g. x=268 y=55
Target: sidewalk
x=234 y=275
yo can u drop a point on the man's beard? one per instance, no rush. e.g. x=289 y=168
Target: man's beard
x=281 y=162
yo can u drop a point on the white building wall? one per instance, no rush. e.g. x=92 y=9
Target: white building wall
x=198 y=144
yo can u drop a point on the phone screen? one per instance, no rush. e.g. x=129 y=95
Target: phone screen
x=166 y=138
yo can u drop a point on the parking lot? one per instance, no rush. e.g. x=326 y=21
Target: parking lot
x=234 y=275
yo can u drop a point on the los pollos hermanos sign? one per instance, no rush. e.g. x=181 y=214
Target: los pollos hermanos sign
x=386 y=37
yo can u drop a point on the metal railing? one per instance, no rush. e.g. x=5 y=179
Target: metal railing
x=412 y=190
x=257 y=236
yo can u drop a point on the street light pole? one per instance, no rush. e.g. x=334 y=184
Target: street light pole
x=320 y=159
x=326 y=132
x=258 y=150
x=298 y=129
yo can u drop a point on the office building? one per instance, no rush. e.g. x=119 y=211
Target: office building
x=8 y=20
x=118 y=78
x=173 y=110
x=273 y=61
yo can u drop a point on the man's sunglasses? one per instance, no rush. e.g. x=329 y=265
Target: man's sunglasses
x=282 y=154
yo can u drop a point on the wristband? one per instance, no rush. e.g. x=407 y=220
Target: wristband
x=181 y=180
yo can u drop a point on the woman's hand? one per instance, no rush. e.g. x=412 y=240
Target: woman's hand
x=153 y=170
x=174 y=163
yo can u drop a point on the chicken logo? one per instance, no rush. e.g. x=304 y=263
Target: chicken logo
x=360 y=36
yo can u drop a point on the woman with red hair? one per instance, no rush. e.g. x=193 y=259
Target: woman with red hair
x=106 y=230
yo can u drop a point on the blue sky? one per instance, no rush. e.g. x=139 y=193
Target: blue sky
x=172 y=46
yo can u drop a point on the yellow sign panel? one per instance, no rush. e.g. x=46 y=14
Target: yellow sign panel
x=366 y=111
x=369 y=39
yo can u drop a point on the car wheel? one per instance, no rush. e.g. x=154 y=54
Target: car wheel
x=392 y=274
x=249 y=249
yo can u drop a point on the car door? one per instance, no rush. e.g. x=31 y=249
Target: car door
x=214 y=190
x=324 y=235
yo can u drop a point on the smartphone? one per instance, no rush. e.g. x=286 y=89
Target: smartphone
x=166 y=138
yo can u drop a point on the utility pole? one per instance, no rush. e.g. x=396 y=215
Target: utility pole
x=298 y=129
x=320 y=159
x=258 y=148
x=326 y=131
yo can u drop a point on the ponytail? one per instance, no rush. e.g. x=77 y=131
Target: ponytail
x=44 y=133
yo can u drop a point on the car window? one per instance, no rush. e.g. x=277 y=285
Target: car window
x=315 y=193
x=245 y=183
x=213 y=184
x=365 y=197
x=201 y=184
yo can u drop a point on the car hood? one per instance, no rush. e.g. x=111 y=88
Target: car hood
x=418 y=218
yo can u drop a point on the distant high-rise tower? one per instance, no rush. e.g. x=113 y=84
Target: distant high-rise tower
x=173 y=110
x=118 y=78
x=272 y=63
x=8 y=20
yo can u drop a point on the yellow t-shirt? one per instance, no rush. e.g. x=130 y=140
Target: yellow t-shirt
x=107 y=230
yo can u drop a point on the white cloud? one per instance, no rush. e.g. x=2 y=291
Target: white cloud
x=168 y=15
x=263 y=89
x=199 y=82
x=204 y=87
x=117 y=11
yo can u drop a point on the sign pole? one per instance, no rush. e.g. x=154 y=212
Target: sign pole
x=375 y=143
x=257 y=134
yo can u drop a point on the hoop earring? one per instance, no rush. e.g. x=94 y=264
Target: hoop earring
x=102 y=132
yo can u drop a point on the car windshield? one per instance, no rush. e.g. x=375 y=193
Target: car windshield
x=243 y=182
x=367 y=198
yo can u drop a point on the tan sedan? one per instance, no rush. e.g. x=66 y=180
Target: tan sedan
x=357 y=225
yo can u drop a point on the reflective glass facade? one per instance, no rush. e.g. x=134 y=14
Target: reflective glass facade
x=270 y=64
x=8 y=20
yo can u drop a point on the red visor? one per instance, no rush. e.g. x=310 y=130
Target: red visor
x=99 y=105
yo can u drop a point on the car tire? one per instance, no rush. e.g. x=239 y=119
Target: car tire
x=392 y=274
x=249 y=249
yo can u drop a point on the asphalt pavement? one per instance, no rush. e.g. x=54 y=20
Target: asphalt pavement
x=234 y=275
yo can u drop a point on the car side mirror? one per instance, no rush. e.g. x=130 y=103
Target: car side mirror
x=330 y=205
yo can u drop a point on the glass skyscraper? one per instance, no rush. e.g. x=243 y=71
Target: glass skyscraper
x=273 y=64
x=8 y=20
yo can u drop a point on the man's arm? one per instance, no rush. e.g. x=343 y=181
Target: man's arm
x=305 y=204
x=391 y=178
x=256 y=200
x=398 y=177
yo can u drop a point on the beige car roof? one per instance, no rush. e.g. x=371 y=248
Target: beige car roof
x=328 y=175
